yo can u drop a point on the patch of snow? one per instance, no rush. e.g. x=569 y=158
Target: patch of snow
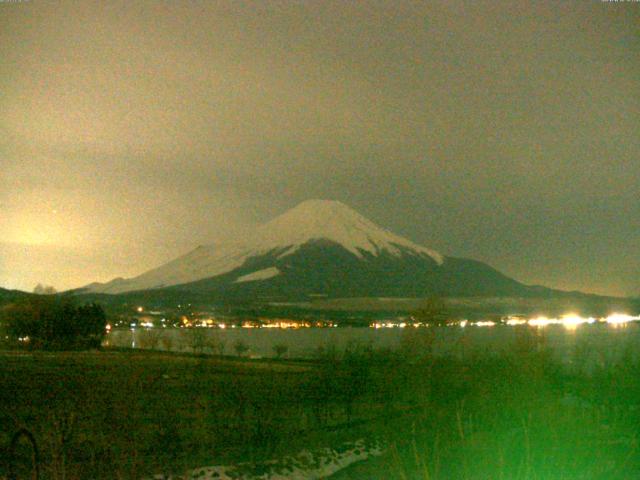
x=304 y=466
x=259 y=275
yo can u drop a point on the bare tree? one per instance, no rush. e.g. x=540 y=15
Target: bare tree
x=240 y=347
x=41 y=289
x=432 y=311
x=216 y=344
x=280 y=349
x=150 y=338
x=198 y=340
x=167 y=340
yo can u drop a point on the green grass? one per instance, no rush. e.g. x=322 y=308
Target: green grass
x=137 y=413
x=127 y=414
x=520 y=415
x=516 y=414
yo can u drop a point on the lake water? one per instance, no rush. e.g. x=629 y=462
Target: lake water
x=601 y=342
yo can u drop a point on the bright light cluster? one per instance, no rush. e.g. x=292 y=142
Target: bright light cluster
x=543 y=321
x=570 y=321
x=621 y=318
x=513 y=321
x=488 y=323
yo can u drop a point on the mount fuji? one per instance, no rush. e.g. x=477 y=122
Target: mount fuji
x=320 y=248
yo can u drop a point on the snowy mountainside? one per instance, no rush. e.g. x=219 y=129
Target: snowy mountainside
x=334 y=221
x=309 y=222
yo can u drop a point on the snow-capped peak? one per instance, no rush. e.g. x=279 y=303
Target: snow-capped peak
x=332 y=220
x=310 y=220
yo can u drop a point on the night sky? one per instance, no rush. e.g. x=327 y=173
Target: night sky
x=507 y=132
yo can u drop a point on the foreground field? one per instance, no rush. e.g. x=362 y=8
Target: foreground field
x=128 y=414
x=517 y=414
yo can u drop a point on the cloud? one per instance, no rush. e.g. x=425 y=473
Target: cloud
x=479 y=129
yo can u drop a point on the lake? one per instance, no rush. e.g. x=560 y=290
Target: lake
x=603 y=342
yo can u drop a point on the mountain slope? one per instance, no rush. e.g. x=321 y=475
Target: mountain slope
x=9 y=296
x=325 y=269
x=284 y=235
x=320 y=248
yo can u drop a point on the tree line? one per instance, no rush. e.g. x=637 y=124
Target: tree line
x=52 y=323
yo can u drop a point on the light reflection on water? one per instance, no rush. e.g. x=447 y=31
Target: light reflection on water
x=607 y=341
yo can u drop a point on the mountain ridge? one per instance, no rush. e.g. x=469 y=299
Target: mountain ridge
x=308 y=221
x=319 y=248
